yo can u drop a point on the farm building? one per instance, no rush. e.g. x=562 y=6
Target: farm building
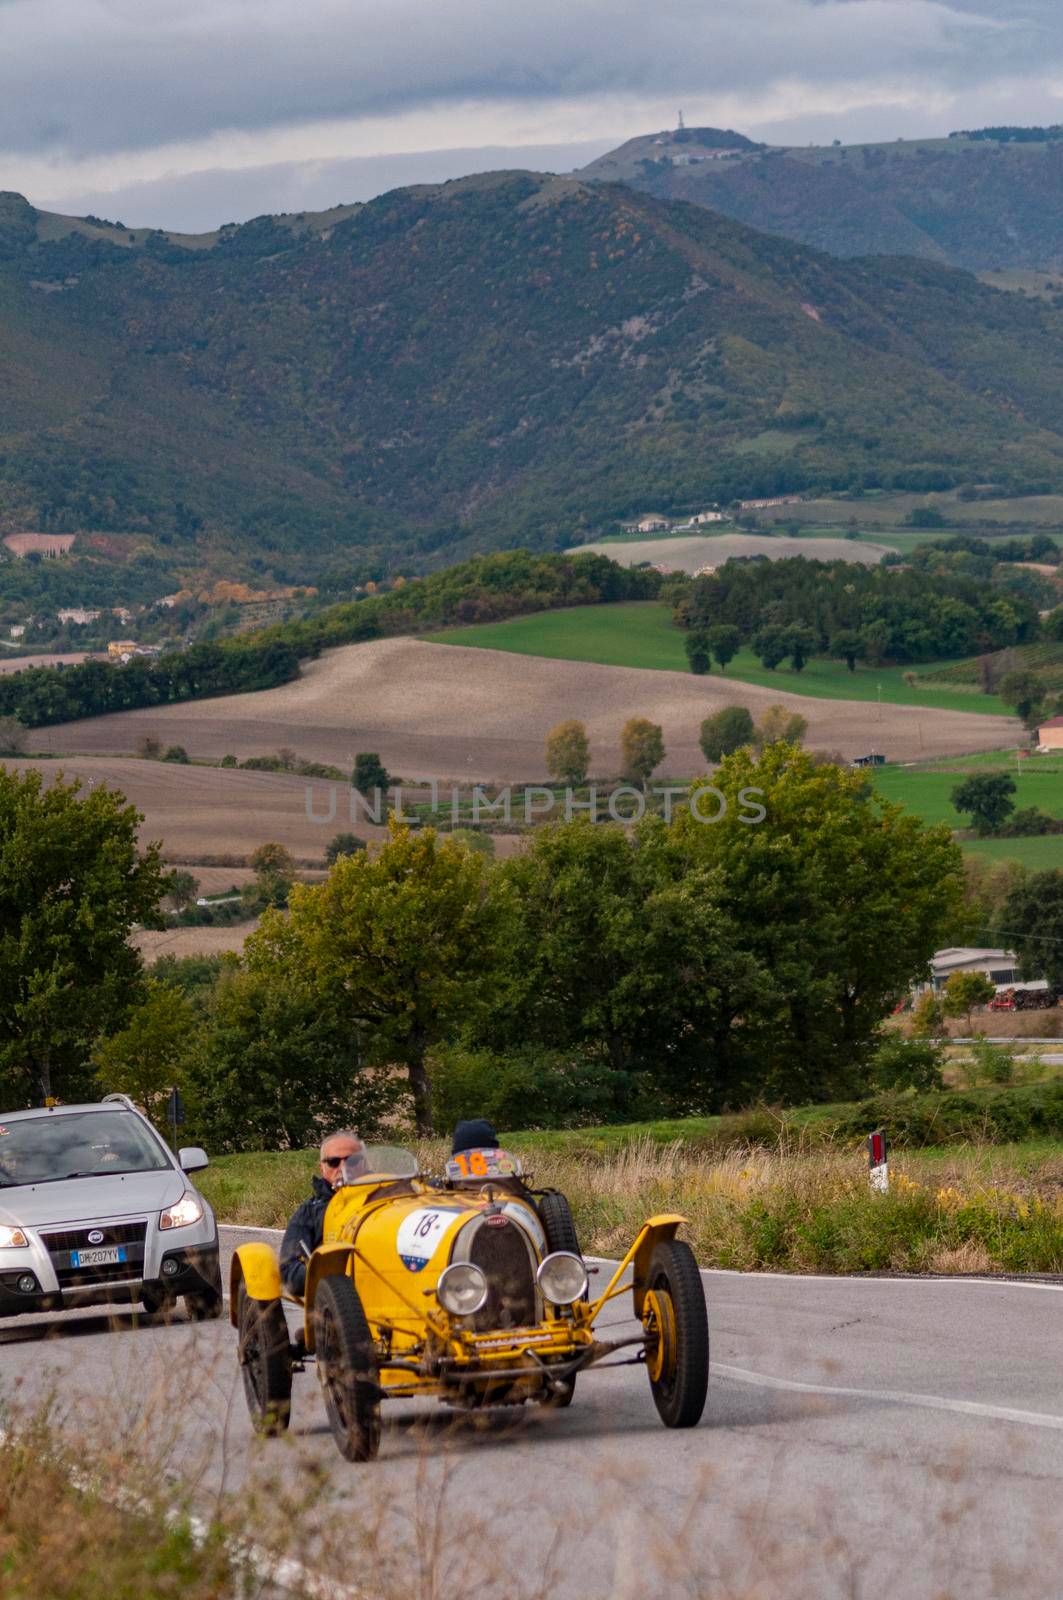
x=999 y=966
x=1050 y=734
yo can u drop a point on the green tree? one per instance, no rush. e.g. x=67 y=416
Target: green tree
x=568 y=752
x=840 y=896
x=176 y=753
x=342 y=844
x=621 y=955
x=769 y=646
x=963 y=992
x=1023 y=692
x=986 y=796
x=848 y=646
x=1032 y=925
x=641 y=749
x=73 y=884
x=149 y=1056
x=800 y=642
x=400 y=945
x=725 y=641
x=181 y=888
x=12 y=737
x=699 y=651
x=274 y=869
x=276 y=1062
x=725 y=731
x=369 y=773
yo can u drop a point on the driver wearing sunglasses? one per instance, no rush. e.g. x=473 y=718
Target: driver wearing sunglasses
x=304 y=1232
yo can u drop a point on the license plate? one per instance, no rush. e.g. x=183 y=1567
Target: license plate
x=110 y=1256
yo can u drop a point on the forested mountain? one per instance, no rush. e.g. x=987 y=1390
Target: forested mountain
x=991 y=198
x=509 y=359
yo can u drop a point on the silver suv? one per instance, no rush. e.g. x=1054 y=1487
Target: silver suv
x=94 y=1208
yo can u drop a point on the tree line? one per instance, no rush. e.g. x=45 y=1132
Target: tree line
x=799 y=608
x=603 y=973
x=486 y=588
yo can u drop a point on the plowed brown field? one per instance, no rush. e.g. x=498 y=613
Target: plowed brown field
x=449 y=712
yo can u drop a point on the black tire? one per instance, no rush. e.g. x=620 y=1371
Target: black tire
x=558 y=1224
x=680 y=1390
x=155 y=1300
x=206 y=1306
x=347 y=1367
x=266 y=1362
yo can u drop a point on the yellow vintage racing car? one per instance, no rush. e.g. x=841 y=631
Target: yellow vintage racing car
x=468 y=1287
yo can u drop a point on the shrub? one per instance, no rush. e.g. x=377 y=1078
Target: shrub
x=726 y=731
x=343 y=844
x=176 y=752
x=991 y=1063
x=900 y=1063
x=228 y=761
x=149 y=748
x=369 y=772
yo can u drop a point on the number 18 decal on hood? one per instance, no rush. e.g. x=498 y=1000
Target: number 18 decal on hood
x=419 y=1235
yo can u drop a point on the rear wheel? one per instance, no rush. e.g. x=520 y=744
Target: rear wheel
x=205 y=1307
x=265 y=1361
x=676 y=1324
x=347 y=1367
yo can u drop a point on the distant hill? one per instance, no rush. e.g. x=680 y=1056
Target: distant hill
x=982 y=199
x=508 y=359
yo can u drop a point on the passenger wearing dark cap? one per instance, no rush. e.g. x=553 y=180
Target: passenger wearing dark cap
x=476 y=1134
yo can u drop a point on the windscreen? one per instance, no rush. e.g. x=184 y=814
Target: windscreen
x=88 y=1144
x=378 y=1161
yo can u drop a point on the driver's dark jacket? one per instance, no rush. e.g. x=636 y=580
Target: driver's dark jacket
x=306 y=1228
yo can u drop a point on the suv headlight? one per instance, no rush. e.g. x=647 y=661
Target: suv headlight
x=187 y=1210
x=12 y=1238
x=462 y=1289
x=562 y=1278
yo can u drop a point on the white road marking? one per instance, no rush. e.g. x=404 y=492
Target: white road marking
x=239 y=1227
x=927 y=1402
x=858 y=1277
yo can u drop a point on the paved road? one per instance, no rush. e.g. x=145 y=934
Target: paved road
x=863 y=1436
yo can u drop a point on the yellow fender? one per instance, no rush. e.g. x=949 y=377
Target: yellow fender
x=327 y=1261
x=649 y=1236
x=257 y=1268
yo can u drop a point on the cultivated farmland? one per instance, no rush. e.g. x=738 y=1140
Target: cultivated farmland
x=435 y=710
x=691 y=553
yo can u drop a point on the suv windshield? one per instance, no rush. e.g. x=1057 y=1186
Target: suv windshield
x=88 y=1144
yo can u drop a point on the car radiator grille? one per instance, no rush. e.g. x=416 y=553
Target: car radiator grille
x=60 y=1245
x=502 y=1255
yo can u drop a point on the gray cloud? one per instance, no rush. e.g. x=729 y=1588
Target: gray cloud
x=91 y=76
x=197 y=202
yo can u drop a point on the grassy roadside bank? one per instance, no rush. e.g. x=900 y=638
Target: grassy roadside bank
x=968 y=1208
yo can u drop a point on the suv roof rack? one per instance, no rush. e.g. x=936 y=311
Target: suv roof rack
x=118 y=1099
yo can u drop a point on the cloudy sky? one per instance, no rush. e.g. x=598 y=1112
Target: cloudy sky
x=190 y=113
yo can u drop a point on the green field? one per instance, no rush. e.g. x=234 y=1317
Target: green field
x=640 y=633
x=926 y=790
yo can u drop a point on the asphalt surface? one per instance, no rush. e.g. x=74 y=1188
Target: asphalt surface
x=862 y=1436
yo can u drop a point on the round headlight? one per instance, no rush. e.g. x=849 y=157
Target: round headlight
x=462 y=1289
x=562 y=1278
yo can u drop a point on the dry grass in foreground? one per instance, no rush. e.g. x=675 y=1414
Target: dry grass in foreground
x=964 y=1211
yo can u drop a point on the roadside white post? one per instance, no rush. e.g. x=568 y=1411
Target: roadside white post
x=878 y=1165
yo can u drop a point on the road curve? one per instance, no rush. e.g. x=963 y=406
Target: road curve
x=862 y=1436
